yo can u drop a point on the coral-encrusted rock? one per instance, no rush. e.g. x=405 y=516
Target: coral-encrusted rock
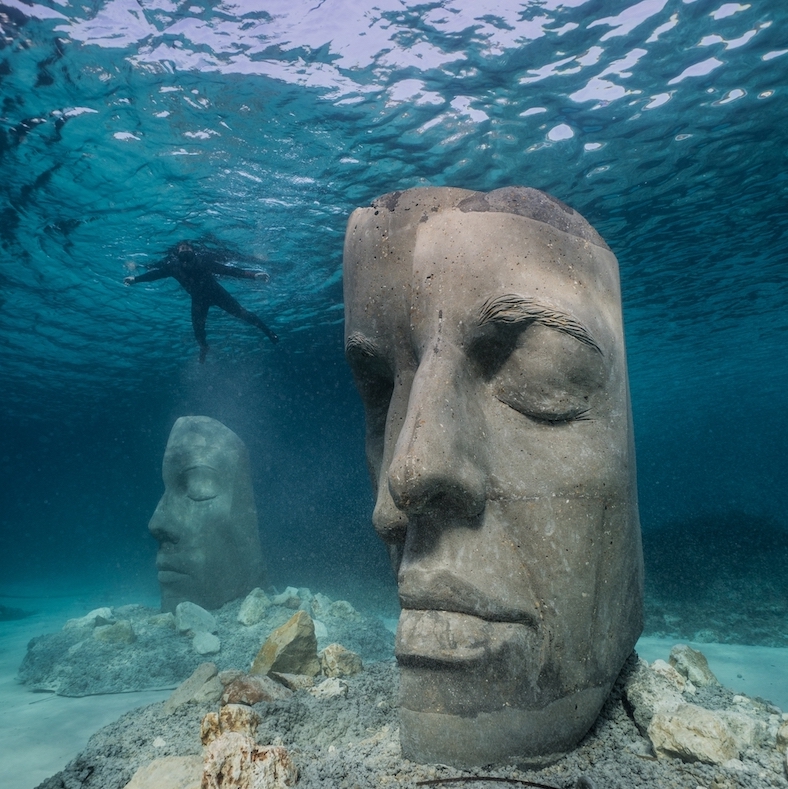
x=254 y=607
x=337 y=661
x=290 y=649
x=693 y=734
x=172 y=772
x=693 y=665
x=251 y=689
x=233 y=760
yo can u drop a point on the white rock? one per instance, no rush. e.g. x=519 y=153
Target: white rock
x=649 y=693
x=289 y=598
x=667 y=671
x=98 y=616
x=254 y=607
x=746 y=730
x=206 y=643
x=693 y=665
x=329 y=689
x=320 y=604
x=172 y=772
x=321 y=631
x=190 y=617
x=693 y=734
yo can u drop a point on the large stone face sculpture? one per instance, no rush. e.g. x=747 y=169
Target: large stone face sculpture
x=206 y=521
x=485 y=336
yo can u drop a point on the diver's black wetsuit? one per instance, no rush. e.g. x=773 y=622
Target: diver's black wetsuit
x=195 y=270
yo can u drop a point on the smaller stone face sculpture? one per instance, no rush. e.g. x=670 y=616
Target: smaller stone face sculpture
x=206 y=521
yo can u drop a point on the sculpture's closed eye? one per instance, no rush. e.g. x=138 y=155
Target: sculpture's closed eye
x=546 y=375
x=200 y=483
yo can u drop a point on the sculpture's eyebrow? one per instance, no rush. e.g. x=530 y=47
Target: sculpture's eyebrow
x=358 y=344
x=511 y=308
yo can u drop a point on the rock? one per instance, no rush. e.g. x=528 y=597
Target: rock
x=289 y=598
x=186 y=691
x=206 y=643
x=746 y=731
x=98 y=616
x=329 y=689
x=120 y=633
x=233 y=760
x=648 y=693
x=230 y=675
x=693 y=665
x=162 y=620
x=321 y=604
x=211 y=691
x=692 y=734
x=251 y=689
x=293 y=681
x=321 y=631
x=668 y=672
x=238 y=718
x=254 y=607
x=190 y=618
x=170 y=772
x=337 y=661
x=782 y=736
x=290 y=649
x=341 y=609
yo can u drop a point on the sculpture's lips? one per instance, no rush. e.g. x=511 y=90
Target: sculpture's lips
x=450 y=639
x=170 y=576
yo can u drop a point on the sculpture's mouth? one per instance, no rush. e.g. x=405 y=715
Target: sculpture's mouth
x=170 y=576
x=449 y=639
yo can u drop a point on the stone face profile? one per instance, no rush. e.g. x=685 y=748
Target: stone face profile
x=206 y=521
x=485 y=336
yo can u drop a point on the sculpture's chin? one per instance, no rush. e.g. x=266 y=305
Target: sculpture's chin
x=508 y=735
x=476 y=692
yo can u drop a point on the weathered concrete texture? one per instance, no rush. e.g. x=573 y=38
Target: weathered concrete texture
x=485 y=336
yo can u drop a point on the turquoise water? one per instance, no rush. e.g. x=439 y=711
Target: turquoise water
x=126 y=126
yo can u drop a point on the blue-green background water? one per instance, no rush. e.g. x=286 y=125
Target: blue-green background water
x=127 y=125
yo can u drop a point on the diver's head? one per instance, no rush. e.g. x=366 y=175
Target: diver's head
x=186 y=251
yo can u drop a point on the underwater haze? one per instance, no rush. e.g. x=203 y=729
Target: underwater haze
x=128 y=125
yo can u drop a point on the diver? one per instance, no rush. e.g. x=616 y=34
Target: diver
x=195 y=267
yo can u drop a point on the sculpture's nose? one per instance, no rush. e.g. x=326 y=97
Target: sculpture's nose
x=162 y=525
x=438 y=462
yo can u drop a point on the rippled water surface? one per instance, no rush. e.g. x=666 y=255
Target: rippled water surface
x=129 y=124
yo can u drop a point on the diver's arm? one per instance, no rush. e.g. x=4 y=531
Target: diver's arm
x=223 y=270
x=160 y=272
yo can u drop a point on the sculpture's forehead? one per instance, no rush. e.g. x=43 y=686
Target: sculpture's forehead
x=455 y=260
x=195 y=451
